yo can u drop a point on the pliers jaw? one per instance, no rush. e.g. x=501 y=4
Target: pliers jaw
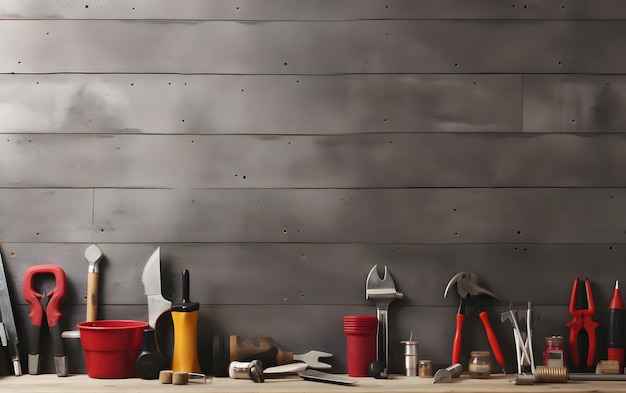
x=582 y=307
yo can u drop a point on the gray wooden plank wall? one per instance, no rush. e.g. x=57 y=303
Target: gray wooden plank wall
x=279 y=149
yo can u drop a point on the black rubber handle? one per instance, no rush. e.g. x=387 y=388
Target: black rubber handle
x=57 y=341
x=616 y=335
x=33 y=342
x=185 y=284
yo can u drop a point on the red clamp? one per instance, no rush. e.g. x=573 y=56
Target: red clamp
x=582 y=308
x=56 y=296
x=49 y=304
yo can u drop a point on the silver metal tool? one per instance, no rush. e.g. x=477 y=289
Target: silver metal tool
x=312 y=359
x=445 y=375
x=528 y=343
x=382 y=291
x=523 y=340
x=8 y=331
x=151 y=279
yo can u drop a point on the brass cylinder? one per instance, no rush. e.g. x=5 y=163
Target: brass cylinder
x=551 y=374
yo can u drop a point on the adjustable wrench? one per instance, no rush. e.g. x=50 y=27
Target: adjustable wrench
x=382 y=292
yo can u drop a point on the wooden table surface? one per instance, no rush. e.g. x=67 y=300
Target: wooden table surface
x=50 y=383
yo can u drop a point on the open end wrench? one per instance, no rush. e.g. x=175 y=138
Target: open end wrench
x=382 y=291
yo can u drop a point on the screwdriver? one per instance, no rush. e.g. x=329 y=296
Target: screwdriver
x=617 y=323
x=185 y=318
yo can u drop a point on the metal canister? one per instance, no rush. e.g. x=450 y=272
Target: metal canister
x=425 y=369
x=410 y=357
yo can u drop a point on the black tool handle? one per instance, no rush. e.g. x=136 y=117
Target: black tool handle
x=33 y=342
x=57 y=341
x=185 y=305
x=617 y=328
x=185 y=284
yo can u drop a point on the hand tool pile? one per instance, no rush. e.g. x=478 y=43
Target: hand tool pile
x=259 y=357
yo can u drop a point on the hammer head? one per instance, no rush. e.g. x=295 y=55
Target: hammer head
x=467 y=284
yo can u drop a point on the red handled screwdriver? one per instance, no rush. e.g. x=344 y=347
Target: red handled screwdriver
x=617 y=323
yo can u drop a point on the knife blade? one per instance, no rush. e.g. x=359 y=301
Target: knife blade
x=151 y=279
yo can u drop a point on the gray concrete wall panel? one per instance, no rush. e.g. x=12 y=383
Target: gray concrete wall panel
x=574 y=103
x=387 y=46
x=312 y=161
x=312 y=10
x=473 y=215
x=226 y=274
x=239 y=104
x=46 y=215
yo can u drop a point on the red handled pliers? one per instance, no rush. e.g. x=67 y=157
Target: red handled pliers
x=468 y=288
x=582 y=308
x=47 y=303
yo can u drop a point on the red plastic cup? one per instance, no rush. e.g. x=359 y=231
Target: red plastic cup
x=360 y=333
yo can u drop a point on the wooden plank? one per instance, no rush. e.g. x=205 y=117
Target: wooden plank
x=342 y=161
x=382 y=46
x=312 y=10
x=574 y=103
x=441 y=216
x=45 y=215
x=396 y=384
x=236 y=104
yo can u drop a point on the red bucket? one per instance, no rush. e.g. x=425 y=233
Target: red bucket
x=111 y=347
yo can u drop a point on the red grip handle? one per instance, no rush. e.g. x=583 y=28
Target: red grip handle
x=493 y=340
x=456 y=348
x=591 y=354
x=616 y=354
x=36 y=310
x=573 y=346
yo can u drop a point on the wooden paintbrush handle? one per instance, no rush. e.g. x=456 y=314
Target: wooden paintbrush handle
x=92 y=297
